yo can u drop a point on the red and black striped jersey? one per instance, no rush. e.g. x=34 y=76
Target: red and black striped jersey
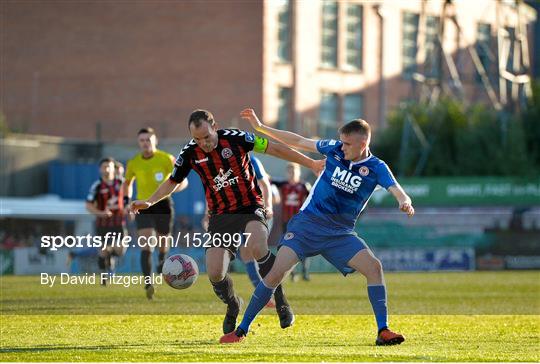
x=226 y=172
x=293 y=196
x=111 y=196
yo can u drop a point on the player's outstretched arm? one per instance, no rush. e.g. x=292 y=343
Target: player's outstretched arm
x=181 y=186
x=405 y=203
x=164 y=190
x=266 y=189
x=284 y=152
x=184 y=184
x=291 y=139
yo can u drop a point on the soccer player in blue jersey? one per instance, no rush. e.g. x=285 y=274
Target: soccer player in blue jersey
x=252 y=268
x=325 y=223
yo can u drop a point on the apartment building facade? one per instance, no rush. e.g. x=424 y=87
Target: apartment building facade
x=101 y=70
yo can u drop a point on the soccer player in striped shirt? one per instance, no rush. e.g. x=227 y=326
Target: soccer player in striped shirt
x=221 y=159
x=293 y=193
x=325 y=225
x=106 y=201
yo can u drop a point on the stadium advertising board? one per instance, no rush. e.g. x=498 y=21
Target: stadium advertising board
x=424 y=259
x=465 y=191
x=31 y=261
x=6 y=262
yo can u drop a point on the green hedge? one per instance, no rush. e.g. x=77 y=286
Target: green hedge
x=463 y=140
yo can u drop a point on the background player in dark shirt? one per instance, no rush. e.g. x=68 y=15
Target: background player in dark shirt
x=293 y=193
x=235 y=203
x=106 y=201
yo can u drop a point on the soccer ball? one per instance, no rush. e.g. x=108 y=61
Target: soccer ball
x=180 y=271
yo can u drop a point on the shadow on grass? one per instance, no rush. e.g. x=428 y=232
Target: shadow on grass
x=51 y=348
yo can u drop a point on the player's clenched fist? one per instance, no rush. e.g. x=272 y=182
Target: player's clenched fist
x=407 y=208
x=250 y=116
x=137 y=205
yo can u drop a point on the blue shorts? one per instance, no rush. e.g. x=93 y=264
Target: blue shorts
x=306 y=240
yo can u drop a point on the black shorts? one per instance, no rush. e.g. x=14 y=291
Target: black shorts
x=103 y=230
x=234 y=223
x=114 y=244
x=159 y=217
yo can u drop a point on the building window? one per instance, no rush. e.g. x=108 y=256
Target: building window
x=284 y=31
x=353 y=107
x=483 y=42
x=328 y=115
x=284 y=108
x=409 y=46
x=354 y=36
x=432 y=61
x=329 y=55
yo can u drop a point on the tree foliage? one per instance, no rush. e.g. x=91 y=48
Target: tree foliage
x=462 y=141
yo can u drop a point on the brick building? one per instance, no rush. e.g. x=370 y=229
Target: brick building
x=87 y=69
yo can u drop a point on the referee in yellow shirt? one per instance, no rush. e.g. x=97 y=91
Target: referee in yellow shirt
x=149 y=169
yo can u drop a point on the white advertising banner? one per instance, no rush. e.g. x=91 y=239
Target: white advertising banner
x=30 y=261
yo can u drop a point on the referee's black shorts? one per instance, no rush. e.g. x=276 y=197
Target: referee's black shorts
x=159 y=217
x=112 y=246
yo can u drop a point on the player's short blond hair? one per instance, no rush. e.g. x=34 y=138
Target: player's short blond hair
x=358 y=126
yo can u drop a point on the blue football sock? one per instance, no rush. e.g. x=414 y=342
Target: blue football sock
x=259 y=299
x=253 y=273
x=377 y=297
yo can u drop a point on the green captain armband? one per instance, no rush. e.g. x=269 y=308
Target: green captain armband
x=260 y=144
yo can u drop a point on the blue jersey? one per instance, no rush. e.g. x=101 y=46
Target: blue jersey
x=343 y=190
x=260 y=173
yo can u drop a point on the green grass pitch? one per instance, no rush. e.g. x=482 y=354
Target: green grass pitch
x=479 y=316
